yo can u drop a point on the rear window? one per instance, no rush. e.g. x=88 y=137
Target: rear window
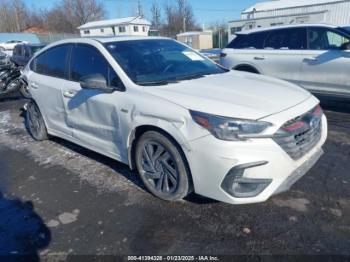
x=254 y=40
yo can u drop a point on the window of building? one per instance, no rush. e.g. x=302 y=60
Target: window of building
x=143 y=29
x=136 y=28
x=235 y=29
x=86 y=32
x=102 y=30
x=122 y=29
x=277 y=23
x=189 y=40
x=302 y=19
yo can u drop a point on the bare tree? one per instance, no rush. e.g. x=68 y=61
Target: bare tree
x=179 y=18
x=156 y=15
x=67 y=15
x=14 y=16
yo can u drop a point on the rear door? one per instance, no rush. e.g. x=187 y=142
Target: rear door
x=45 y=80
x=92 y=114
x=281 y=55
x=325 y=67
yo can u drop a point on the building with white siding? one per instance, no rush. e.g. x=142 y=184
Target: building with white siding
x=285 y=12
x=116 y=27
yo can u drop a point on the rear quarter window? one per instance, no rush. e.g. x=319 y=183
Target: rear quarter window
x=249 y=41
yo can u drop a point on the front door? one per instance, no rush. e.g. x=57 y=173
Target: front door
x=91 y=113
x=325 y=66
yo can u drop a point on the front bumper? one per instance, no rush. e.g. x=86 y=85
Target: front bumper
x=211 y=160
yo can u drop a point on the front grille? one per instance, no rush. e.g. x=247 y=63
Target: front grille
x=298 y=136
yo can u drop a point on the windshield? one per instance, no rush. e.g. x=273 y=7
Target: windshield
x=160 y=61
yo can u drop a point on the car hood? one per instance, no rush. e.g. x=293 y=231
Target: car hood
x=233 y=94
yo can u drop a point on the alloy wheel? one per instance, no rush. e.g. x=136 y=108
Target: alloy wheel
x=159 y=168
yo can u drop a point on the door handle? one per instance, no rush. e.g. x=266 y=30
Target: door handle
x=70 y=93
x=260 y=57
x=34 y=85
x=310 y=59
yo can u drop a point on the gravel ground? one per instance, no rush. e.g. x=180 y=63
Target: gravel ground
x=60 y=199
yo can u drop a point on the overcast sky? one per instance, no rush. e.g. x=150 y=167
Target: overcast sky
x=206 y=11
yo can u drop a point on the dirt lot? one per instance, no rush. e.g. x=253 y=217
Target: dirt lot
x=59 y=198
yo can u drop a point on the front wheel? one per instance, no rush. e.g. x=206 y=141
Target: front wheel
x=35 y=122
x=162 y=166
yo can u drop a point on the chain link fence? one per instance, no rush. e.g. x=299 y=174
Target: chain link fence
x=49 y=37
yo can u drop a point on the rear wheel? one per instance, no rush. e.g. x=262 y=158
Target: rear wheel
x=24 y=90
x=162 y=167
x=35 y=122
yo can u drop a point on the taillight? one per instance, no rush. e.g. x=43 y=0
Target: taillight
x=222 y=55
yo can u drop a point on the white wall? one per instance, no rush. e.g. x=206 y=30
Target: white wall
x=108 y=31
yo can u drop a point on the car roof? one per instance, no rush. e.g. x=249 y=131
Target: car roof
x=108 y=39
x=257 y=30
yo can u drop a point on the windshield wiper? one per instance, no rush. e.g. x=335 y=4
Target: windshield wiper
x=172 y=80
x=157 y=83
x=189 y=77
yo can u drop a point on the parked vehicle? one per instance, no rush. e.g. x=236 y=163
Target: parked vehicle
x=10 y=80
x=184 y=122
x=316 y=57
x=10 y=45
x=5 y=62
x=24 y=52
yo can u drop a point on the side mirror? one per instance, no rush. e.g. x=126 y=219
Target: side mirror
x=345 y=46
x=95 y=81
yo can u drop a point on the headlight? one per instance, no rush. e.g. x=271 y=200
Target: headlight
x=229 y=129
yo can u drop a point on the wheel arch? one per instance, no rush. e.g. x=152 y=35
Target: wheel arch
x=138 y=131
x=32 y=100
x=248 y=68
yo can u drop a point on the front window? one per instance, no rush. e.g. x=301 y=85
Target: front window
x=148 y=62
x=325 y=39
x=136 y=28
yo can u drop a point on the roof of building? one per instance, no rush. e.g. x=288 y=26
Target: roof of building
x=196 y=33
x=112 y=22
x=256 y=30
x=280 y=4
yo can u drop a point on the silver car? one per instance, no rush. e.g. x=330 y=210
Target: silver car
x=314 y=56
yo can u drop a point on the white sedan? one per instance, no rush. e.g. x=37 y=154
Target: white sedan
x=184 y=122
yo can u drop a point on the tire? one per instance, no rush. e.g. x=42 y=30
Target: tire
x=24 y=91
x=162 y=167
x=35 y=122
